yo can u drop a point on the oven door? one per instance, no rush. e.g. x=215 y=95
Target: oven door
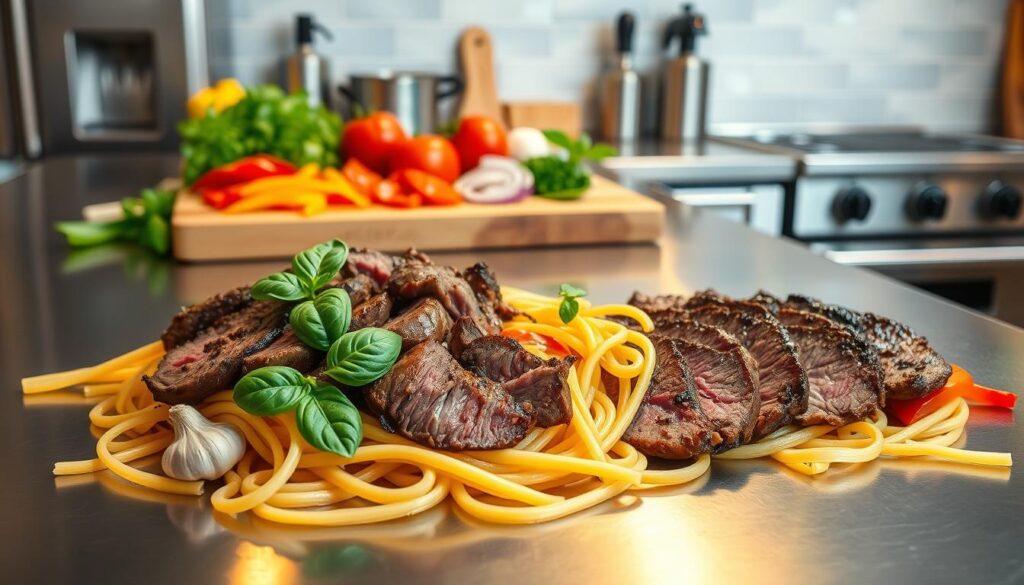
x=985 y=275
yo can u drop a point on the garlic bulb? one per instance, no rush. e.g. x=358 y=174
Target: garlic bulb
x=201 y=449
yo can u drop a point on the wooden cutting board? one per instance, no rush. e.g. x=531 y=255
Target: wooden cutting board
x=607 y=213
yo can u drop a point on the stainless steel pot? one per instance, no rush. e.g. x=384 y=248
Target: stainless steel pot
x=412 y=97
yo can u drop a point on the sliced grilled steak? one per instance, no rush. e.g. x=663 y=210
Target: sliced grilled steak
x=539 y=386
x=727 y=392
x=782 y=382
x=286 y=350
x=415 y=279
x=660 y=306
x=790 y=317
x=424 y=320
x=373 y=313
x=670 y=423
x=359 y=288
x=464 y=332
x=844 y=374
x=187 y=324
x=212 y=361
x=488 y=292
x=911 y=367
x=429 y=398
x=710 y=336
x=376 y=265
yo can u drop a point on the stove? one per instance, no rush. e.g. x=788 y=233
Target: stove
x=942 y=211
x=900 y=184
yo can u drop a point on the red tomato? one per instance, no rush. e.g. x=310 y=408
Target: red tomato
x=428 y=153
x=372 y=140
x=389 y=192
x=477 y=136
x=433 y=189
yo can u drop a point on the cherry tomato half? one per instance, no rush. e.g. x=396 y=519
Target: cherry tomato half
x=435 y=190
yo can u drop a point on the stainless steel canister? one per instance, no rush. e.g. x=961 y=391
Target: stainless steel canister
x=620 y=89
x=412 y=97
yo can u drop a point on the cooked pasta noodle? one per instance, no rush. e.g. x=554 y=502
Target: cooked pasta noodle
x=551 y=473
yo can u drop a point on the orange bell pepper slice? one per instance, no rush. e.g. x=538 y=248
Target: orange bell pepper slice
x=434 y=189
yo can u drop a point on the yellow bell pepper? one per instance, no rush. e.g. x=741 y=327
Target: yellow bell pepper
x=223 y=95
x=307 y=203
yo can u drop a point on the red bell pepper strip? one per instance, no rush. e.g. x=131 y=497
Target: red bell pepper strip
x=242 y=171
x=959 y=385
x=361 y=177
x=220 y=198
x=548 y=345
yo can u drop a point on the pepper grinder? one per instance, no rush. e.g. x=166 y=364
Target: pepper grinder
x=620 y=88
x=684 y=80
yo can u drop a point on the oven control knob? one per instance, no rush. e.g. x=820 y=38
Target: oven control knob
x=851 y=203
x=927 y=201
x=1000 y=200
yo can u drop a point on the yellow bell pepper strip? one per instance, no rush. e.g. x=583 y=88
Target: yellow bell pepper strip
x=306 y=202
x=308 y=170
x=296 y=183
x=225 y=94
x=343 y=189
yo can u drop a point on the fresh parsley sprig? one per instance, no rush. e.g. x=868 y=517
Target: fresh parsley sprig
x=324 y=415
x=146 y=221
x=570 y=306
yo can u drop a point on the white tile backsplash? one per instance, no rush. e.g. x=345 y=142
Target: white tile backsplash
x=924 y=62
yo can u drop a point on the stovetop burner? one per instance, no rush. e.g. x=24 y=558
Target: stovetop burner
x=901 y=142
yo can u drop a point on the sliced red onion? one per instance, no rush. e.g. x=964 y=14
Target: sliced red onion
x=497 y=179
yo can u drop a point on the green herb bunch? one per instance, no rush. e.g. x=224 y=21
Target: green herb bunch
x=146 y=222
x=267 y=121
x=326 y=418
x=558 y=178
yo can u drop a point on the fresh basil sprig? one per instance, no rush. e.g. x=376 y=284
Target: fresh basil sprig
x=312 y=269
x=280 y=286
x=362 y=356
x=569 y=306
x=329 y=421
x=316 y=266
x=322 y=321
x=325 y=417
x=146 y=222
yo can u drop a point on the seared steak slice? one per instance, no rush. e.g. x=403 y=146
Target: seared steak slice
x=286 y=350
x=212 y=361
x=726 y=390
x=464 y=332
x=911 y=367
x=429 y=398
x=359 y=288
x=191 y=320
x=373 y=313
x=789 y=317
x=415 y=279
x=844 y=375
x=376 y=265
x=710 y=336
x=539 y=386
x=488 y=292
x=424 y=320
x=670 y=423
x=659 y=305
x=782 y=383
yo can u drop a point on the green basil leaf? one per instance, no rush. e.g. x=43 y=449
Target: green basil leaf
x=316 y=266
x=280 y=286
x=158 y=234
x=362 y=356
x=568 y=309
x=600 y=151
x=321 y=322
x=329 y=421
x=271 y=390
x=86 y=233
x=568 y=290
x=559 y=138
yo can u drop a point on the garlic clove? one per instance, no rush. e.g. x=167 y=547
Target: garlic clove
x=201 y=448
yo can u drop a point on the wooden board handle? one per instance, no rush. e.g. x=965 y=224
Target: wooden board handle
x=476 y=54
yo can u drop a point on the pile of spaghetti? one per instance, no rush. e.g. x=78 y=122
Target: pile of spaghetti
x=551 y=473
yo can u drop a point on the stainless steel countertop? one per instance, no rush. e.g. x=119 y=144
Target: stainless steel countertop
x=889 y=521
x=709 y=161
